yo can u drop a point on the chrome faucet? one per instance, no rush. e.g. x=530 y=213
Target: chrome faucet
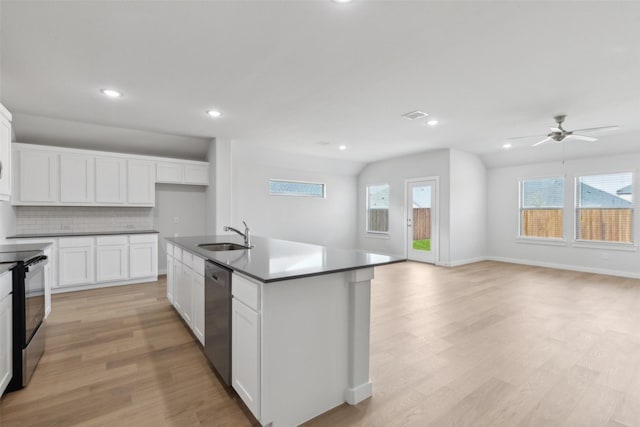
x=246 y=235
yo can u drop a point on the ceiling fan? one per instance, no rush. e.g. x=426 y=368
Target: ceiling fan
x=559 y=134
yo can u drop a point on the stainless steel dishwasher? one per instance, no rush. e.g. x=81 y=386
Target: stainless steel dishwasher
x=217 y=318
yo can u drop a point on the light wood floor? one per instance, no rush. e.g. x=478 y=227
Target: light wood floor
x=487 y=344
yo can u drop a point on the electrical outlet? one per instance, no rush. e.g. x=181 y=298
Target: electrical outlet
x=176 y=234
x=605 y=256
x=176 y=220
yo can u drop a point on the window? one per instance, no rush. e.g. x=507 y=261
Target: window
x=378 y=208
x=295 y=188
x=604 y=207
x=541 y=202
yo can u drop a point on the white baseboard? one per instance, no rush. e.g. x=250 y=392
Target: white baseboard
x=460 y=262
x=581 y=269
x=62 y=290
x=357 y=394
x=162 y=272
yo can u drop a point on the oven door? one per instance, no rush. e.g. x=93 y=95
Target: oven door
x=33 y=296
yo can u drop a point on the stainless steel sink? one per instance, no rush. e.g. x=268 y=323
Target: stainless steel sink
x=222 y=247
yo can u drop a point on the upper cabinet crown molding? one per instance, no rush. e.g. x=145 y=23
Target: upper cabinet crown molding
x=56 y=176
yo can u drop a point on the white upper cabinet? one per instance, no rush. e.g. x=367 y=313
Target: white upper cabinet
x=169 y=173
x=77 y=178
x=111 y=180
x=141 y=188
x=196 y=174
x=37 y=176
x=5 y=154
x=182 y=172
x=56 y=176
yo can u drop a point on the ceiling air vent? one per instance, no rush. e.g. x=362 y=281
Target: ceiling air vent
x=414 y=115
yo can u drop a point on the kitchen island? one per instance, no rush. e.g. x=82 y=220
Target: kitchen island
x=300 y=322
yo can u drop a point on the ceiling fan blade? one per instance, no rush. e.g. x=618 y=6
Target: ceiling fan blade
x=556 y=130
x=581 y=137
x=528 y=136
x=542 y=142
x=596 y=129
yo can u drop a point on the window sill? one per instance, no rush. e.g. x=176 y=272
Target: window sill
x=628 y=247
x=541 y=241
x=377 y=235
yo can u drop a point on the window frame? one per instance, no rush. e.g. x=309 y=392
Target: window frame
x=311 y=196
x=366 y=211
x=604 y=244
x=539 y=239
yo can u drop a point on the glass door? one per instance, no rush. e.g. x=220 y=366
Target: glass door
x=422 y=234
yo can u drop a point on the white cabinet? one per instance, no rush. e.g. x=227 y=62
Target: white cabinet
x=141 y=176
x=197 y=298
x=5 y=154
x=169 y=172
x=77 y=178
x=170 y=272
x=185 y=172
x=111 y=180
x=196 y=174
x=185 y=288
x=111 y=258
x=37 y=176
x=245 y=351
x=6 y=331
x=143 y=255
x=77 y=261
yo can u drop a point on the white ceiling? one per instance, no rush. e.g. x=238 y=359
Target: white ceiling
x=289 y=74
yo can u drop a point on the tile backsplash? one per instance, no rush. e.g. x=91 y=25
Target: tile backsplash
x=52 y=219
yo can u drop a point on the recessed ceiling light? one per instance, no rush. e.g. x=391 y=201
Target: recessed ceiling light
x=214 y=113
x=342 y=147
x=432 y=122
x=507 y=145
x=111 y=93
x=341 y=1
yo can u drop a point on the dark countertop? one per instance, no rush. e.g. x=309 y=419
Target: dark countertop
x=80 y=233
x=6 y=267
x=24 y=247
x=271 y=260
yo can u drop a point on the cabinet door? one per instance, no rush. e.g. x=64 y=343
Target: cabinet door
x=170 y=173
x=5 y=158
x=76 y=266
x=141 y=182
x=77 y=178
x=111 y=177
x=6 y=344
x=197 y=282
x=186 y=289
x=196 y=174
x=178 y=293
x=245 y=355
x=111 y=263
x=143 y=260
x=37 y=176
x=170 y=278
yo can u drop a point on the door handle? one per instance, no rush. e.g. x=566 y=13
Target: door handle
x=0 y=169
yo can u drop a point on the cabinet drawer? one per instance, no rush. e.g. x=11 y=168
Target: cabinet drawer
x=143 y=238
x=169 y=249
x=187 y=259
x=246 y=290
x=111 y=240
x=198 y=265
x=6 y=284
x=76 y=242
x=177 y=253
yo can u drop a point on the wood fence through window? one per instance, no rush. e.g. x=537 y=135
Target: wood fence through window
x=421 y=223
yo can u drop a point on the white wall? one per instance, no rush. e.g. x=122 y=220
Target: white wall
x=330 y=221
x=7 y=221
x=394 y=172
x=468 y=208
x=503 y=214
x=187 y=203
